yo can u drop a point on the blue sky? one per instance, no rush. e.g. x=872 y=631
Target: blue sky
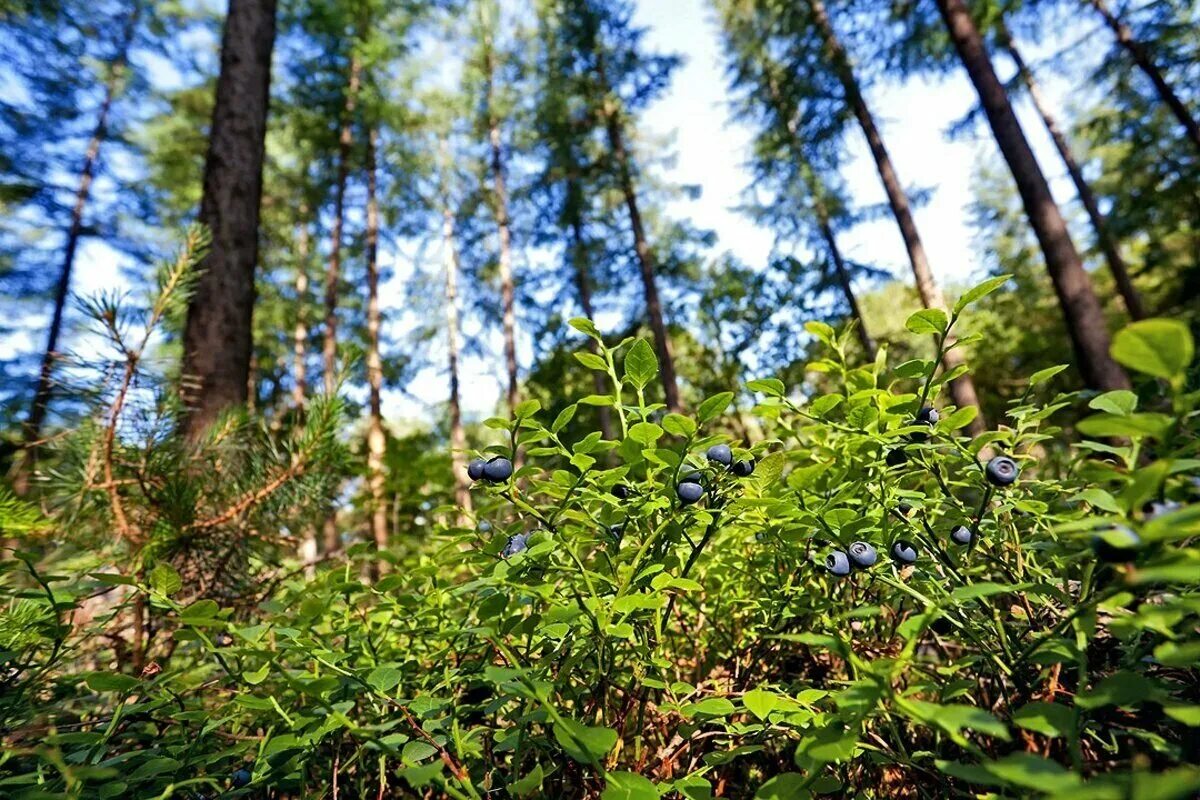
x=709 y=151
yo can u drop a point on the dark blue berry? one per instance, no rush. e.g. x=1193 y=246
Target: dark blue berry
x=498 y=469
x=720 y=454
x=905 y=509
x=896 y=457
x=692 y=477
x=744 y=469
x=240 y=778
x=928 y=415
x=620 y=491
x=476 y=469
x=1158 y=508
x=862 y=554
x=838 y=563
x=1002 y=471
x=1116 y=544
x=518 y=543
x=223 y=639
x=904 y=552
x=689 y=492
x=962 y=535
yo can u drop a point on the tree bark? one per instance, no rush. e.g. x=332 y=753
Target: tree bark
x=843 y=276
x=962 y=389
x=376 y=439
x=300 y=332
x=583 y=286
x=218 y=336
x=504 y=232
x=333 y=274
x=616 y=142
x=1141 y=55
x=458 y=437
x=1104 y=239
x=41 y=397
x=1084 y=317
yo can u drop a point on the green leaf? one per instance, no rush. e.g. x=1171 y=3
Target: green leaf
x=714 y=406
x=820 y=330
x=164 y=579
x=1100 y=499
x=586 y=326
x=927 y=320
x=646 y=433
x=954 y=718
x=628 y=786
x=825 y=403
x=591 y=361
x=527 y=409
x=785 y=786
x=1106 y=425
x=1120 y=402
x=564 y=416
x=384 y=679
x=1048 y=719
x=760 y=703
x=531 y=784
x=1043 y=375
x=1159 y=347
x=980 y=291
x=773 y=387
x=417 y=751
x=641 y=365
x=1123 y=688
x=709 y=707
x=679 y=425
x=1033 y=772
x=257 y=676
x=110 y=682
x=586 y=744
x=962 y=417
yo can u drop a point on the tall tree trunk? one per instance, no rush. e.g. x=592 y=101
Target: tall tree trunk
x=1085 y=319
x=843 y=276
x=1141 y=55
x=1108 y=245
x=300 y=332
x=613 y=124
x=458 y=437
x=217 y=337
x=962 y=389
x=583 y=286
x=376 y=440
x=500 y=190
x=333 y=274
x=41 y=397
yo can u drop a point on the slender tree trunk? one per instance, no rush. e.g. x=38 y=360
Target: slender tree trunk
x=41 y=397
x=218 y=338
x=843 y=276
x=583 y=286
x=1108 y=245
x=1141 y=55
x=616 y=142
x=300 y=332
x=333 y=274
x=1085 y=319
x=962 y=389
x=458 y=437
x=376 y=440
x=500 y=190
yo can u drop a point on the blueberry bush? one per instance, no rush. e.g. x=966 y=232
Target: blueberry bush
x=863 y=602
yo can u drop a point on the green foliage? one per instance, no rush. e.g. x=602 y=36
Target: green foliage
x=639 y=648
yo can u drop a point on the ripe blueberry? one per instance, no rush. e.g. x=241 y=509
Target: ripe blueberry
x=620 y=491
x=838 y=563
x=476 y=469
x=1157 y=509
x=1116 y=544
x=689 y=492
x=518 y=543
x=905 y=509
x=1002 y=471
x=743 y=469
x=692 y=477
x=863 y=555
x=720 y=454
x=240 y=778
x=904 y=552
x=962 y=535
x=222 y=639
x=926 y=416
x=498 y=470
x=896 y=457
